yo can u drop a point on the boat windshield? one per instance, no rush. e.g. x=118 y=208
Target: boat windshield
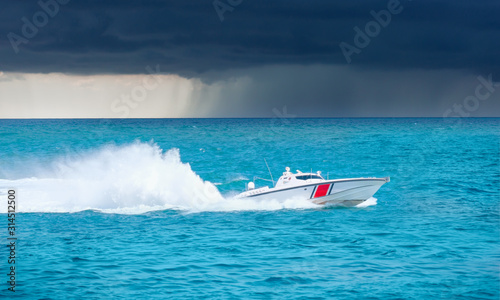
x=310 y=176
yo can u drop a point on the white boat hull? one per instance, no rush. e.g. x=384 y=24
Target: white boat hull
x=349 y=192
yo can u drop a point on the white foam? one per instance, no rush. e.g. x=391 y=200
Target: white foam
x=369 y=202
x=127 y=179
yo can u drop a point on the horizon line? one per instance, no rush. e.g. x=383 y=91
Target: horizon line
x=275 y=117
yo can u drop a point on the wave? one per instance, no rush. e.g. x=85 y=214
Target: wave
x=369 y=202
x=129 y=179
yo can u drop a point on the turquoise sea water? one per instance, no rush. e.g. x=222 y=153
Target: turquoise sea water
x=144 y=209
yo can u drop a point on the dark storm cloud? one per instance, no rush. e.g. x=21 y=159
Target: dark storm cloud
x=188 y=38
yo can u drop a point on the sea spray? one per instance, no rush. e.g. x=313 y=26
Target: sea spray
x=134 y=178
x=130 y=179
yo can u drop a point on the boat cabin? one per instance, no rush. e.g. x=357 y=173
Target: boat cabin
x=290 y=179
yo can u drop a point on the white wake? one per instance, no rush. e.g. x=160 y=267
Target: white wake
x=128 y=179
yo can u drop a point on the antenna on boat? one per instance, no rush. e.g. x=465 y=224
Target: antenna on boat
x=269 y=171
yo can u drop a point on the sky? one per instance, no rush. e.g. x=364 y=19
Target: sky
x=249 y=58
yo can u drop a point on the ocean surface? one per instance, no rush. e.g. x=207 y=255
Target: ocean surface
x=145 y=209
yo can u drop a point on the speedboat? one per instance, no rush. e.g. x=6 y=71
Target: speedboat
x=312 y=186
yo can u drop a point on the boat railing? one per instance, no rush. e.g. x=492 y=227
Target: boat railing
x=260 y=178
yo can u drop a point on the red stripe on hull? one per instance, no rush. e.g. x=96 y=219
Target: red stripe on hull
x=321 y=190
